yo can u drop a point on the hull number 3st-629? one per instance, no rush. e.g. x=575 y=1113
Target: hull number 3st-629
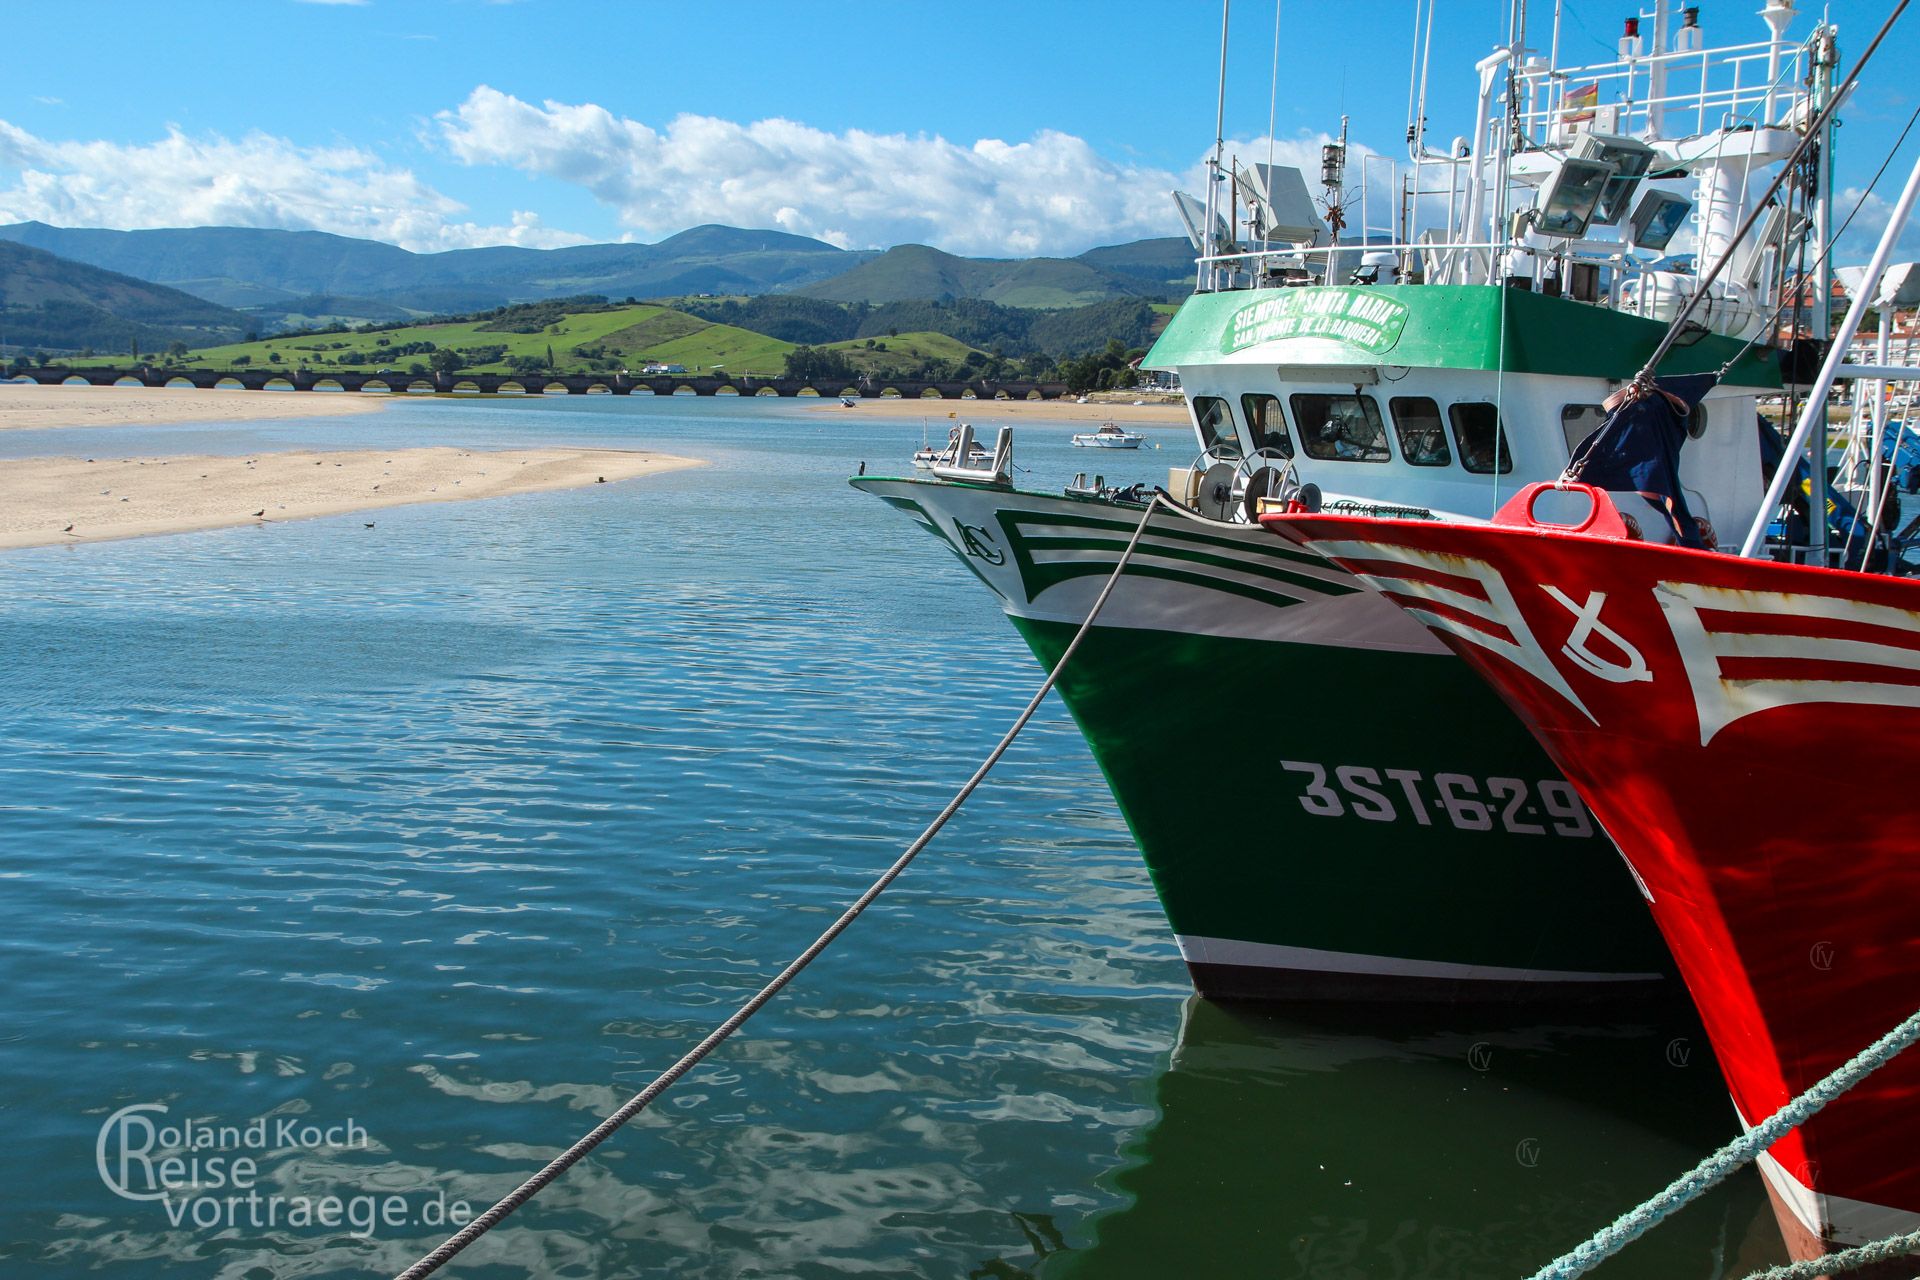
x=1548 y=807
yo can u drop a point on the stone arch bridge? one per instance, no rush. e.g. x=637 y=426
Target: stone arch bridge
x=621 y=384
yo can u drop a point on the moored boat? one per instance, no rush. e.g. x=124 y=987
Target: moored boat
x=1693 y=697
x=1741 y=716
x=1110 y=436
x=1397 y=851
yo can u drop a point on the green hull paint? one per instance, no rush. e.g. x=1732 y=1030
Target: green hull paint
x=1190 y=731
x=1442 y=327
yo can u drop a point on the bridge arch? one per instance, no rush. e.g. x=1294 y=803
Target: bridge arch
x=766 y=391
x=599 y=389
x=932 y=393
x=327 y=384
x=277 y=384
x=128 y=380
x=178 y=381
x=420 y=387
x=74 y=380
x=726 y=389
x=466 y=387
x=684 y=390
x=509 y=388
x=230 y=383
x=376 y=384
x=555 y=389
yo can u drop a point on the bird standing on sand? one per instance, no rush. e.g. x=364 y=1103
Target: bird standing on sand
x=262 y=511
x=68 y=529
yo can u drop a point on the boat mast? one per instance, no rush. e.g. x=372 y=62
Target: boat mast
x=1825 y=55
x=1210 y=273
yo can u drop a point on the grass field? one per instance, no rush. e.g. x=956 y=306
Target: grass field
x=900 y=350
x=631 y=336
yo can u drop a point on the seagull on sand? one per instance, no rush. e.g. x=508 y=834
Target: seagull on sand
x=262 y=511
x=68 y=529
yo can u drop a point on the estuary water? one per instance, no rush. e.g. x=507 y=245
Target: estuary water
x=372 y=866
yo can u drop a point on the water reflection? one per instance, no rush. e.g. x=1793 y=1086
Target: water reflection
x=1329 y=1148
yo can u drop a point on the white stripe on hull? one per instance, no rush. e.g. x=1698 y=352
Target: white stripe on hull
x=1835 y=1218
x=1270 y=955
x=1207 y=599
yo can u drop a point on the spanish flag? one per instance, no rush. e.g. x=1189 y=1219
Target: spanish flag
x=1577 y=105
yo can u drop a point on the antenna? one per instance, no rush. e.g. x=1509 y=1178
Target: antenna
x=1195 y=215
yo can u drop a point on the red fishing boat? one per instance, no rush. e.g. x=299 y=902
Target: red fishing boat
x=1745 y=730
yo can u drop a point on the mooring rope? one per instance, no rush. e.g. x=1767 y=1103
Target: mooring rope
x=527 y=1190
x=1717 y=1167
x=1853 y=1259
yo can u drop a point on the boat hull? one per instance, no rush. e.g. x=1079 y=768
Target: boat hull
x=1697 y=700
x=1310 y=840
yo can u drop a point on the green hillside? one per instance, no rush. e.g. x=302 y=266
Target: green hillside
x=580 y=341
x=916 y=272
x=900 y=350
x=48 y=301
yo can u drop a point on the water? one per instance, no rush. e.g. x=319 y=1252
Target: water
x=446 y=836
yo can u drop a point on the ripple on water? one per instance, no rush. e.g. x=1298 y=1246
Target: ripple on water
x=465 y=830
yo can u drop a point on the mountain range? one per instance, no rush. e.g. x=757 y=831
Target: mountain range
x=291 y=278
x=51 y=302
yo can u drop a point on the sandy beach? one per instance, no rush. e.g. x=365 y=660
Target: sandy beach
x=23 y=405
x=1172 y=413
x=44 y=501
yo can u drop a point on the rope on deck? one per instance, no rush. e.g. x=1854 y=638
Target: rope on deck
x=526 y=1191
x=1717 y=1167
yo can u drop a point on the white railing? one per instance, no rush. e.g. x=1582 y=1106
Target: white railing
x=1740 y=81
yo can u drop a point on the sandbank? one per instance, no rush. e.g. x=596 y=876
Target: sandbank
x=24 y=405
x=114 y=497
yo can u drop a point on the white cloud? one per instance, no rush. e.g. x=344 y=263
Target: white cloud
x=1050 y=194
x=254 y=181
x=1856 y=244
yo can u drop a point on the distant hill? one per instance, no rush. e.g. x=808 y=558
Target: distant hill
x=50 y=302
x=268 y=272
x=913 y=272
x=1165 y=264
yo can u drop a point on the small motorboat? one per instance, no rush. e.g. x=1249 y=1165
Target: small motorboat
x=1109 y=436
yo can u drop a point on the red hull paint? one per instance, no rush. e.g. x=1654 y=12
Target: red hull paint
x=1747 y=732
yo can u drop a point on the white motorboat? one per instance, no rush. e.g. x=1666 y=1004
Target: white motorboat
x=1109 y=436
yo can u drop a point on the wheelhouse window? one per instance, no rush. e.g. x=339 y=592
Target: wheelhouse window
x=1578 y=421
x=1344 y=428
x=1422 y=432
x=1483 y=445
x=1267 y=424
x=1215 y=420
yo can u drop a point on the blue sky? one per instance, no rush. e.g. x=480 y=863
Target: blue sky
x=985 y=128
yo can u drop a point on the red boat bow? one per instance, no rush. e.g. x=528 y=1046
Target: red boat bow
x=1747 y=732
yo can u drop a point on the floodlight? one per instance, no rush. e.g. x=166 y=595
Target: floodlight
x=1658 y=219
x=1630 y=158
x=1568 y=200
